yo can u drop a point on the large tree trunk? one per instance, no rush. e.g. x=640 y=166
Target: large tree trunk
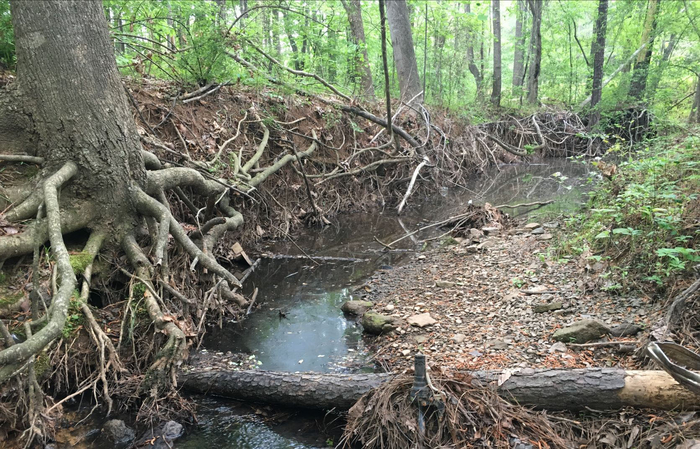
x=404 y=52
x=519 y=53
x=641 y=68
x=535 y=51
x=496 y=91
x=68 y=74
x=353 y=8
x=598 y=52
x=577 y=389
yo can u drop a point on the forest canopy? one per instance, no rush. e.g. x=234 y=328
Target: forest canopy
x=191 y=41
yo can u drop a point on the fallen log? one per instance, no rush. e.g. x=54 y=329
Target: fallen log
x=575 y=389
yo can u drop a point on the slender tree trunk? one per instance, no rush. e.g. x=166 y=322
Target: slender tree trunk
x=353 y=8
x=519 y=53
x=473 y=68
x=666 y=52
x=288 y=28
x=641 y=68
x=404 y=52
x=694 y=116
x=598 y=53
x=535 y=51
x=496 y=92
x=276 y=27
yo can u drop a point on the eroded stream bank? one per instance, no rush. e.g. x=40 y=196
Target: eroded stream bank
x=297 y=317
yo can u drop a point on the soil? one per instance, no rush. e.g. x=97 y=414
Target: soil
x=478 y=293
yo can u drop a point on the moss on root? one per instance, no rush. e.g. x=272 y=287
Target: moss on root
x=80 y=261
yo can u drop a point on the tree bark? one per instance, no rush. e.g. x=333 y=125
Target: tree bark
x=641 y=68
x=577 y=389
x=353 y=8
x=694 y=116
x=598 y=52
x=535 y=51
x=296 y=57
x=67 y=71
x=496 y=91
x=404 y=52
x=473 y=68
x=519 y=53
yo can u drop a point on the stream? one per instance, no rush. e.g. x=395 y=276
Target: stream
x=297 y=324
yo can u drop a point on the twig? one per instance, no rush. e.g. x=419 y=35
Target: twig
x=410 y=185
x=602 y=344
x=536 y=203
x=456 y=217
x=189 y=100
x=252 y=301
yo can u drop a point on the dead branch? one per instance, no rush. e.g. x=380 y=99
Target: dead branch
x=409 y=190
x=301 y=73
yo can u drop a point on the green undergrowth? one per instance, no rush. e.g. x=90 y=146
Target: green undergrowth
x=643 y=221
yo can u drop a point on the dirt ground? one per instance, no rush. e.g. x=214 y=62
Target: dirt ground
x=482 y=294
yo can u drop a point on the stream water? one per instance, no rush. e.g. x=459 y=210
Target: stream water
x=297 y=324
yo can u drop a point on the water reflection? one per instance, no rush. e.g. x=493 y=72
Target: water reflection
x=299 y=326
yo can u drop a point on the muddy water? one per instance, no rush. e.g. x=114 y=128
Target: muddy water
x=299 y=326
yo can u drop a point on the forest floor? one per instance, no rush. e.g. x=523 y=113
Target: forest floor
x=483 y=295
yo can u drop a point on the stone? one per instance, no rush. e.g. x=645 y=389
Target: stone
x=476 y=234
x=376 y=324
x=444 y=284
x=531 y=226
x=496 y=344
x=118 y=433
x=538 y=231
x=689 y=444
x=547 y=307
x=551 y=224
x=357 y=308
x=161 y=437
x=459 y=338
x=581 y=332
x=491 y=230
x=557 y=347
x=421 y=320
x=625 y=330
x=420 y=338
x=545 y=237
x=406 y=352
x=486 y=244
x=389 y=307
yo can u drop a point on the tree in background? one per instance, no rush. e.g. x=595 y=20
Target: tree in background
x=519 y=50
x=535 y=51
x=598 y=53
x=404 y=52
x=496 y=91
x=353 y=9
x=641 y=68
x=471 y=62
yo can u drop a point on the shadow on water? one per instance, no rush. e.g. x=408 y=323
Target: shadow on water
x=299 y=326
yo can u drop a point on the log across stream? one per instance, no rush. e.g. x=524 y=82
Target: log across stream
x=574 y=389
